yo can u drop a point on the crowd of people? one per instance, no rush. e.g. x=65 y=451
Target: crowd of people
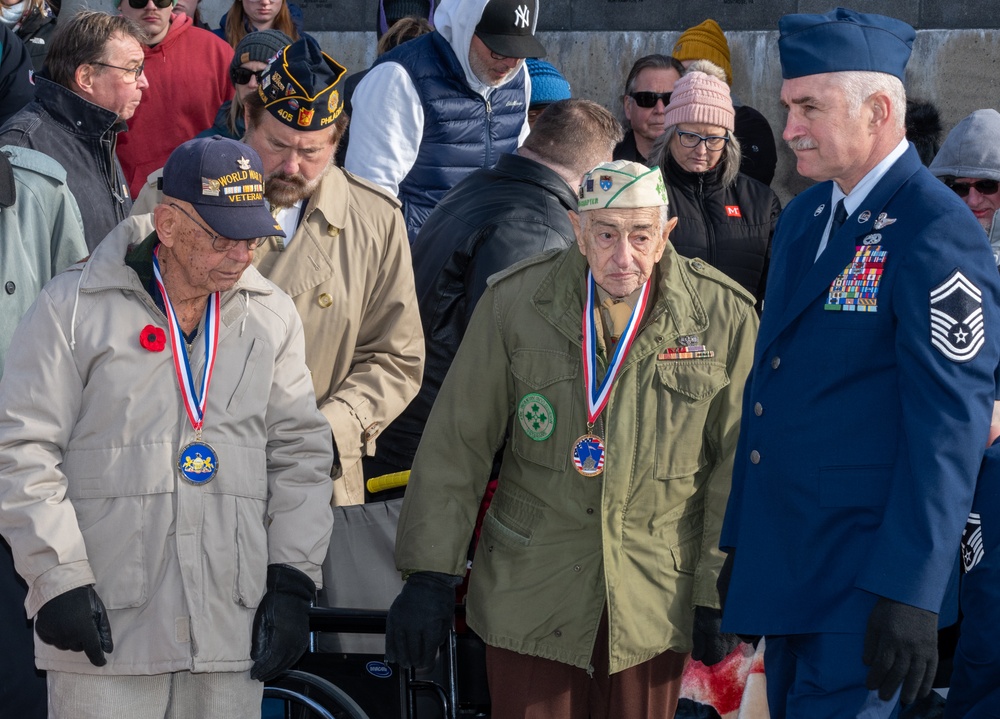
x=668 y=421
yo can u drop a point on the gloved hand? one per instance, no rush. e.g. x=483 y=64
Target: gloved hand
x=725 y=574
x=419 y=618
x=711 y=645
x=78 y=622
x=281 y=626
x=901 y=648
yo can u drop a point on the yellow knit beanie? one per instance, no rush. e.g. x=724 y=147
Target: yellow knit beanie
x=705 y=42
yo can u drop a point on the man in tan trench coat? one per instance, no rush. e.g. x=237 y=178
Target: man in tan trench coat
x=594 y=576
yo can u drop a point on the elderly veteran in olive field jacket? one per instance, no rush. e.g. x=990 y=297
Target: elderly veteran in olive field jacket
x=598 y=555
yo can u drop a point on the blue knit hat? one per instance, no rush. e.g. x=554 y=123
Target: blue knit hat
x=842 y=40
x=547 y=84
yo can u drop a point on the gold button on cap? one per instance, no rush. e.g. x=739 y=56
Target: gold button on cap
x=324 y=300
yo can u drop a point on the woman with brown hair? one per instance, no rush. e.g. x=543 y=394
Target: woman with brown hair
x=247 y=16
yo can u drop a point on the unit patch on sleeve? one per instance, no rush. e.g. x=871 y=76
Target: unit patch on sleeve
x=536 y=416
x=957 y=318
x=972 y=542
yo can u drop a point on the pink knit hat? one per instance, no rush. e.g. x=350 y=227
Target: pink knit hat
x=698 y=97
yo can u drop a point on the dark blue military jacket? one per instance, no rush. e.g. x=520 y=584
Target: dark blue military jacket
x=866 y=410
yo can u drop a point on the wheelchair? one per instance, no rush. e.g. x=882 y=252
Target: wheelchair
x=344 y=675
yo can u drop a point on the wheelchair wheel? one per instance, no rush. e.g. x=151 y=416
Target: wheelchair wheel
x=307 y=696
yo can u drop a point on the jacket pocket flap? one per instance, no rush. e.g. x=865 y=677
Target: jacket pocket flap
x=694 y=379
x=540 y=368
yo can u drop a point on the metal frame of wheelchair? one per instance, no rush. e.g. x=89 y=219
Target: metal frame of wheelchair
x=309 y=695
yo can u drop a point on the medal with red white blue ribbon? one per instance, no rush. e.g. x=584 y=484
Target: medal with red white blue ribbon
x=588 y=450
x=198 y=461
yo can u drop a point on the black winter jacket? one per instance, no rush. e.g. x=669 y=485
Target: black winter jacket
x=728 y=227
x=490 y=220
x=81 y=137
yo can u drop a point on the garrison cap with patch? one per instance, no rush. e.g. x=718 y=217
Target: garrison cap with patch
x=622 y=184
x=224 y=180
x=300 y=86
x=843 y=40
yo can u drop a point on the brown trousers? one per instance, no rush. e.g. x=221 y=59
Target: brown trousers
x=526 y=687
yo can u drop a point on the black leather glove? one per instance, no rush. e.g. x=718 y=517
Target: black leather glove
x=77 y=621
x=711 y=645
x=725 y=574
x=901 y=649
x=281 y=626
x=419 y=618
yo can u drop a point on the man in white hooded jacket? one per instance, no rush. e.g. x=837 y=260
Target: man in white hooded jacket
x=438 y=107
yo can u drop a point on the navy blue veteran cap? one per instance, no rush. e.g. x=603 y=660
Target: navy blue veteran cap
x=843 y=40
x=299 y=86
x=507 y=27
x=224 y=180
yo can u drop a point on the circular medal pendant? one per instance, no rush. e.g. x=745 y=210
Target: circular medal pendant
x=588 y=455
x=198 y=463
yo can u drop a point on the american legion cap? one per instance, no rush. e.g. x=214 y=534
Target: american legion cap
x=843 y=40
x=224 y=180
x=507 y=27
x=301 y=86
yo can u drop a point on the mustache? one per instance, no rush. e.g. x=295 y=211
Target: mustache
x=297 y=180
x=801 y=143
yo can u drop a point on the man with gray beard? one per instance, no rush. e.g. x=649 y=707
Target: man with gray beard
x=345 y=262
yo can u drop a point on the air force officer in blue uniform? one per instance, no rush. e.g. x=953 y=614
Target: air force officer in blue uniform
x=870 y=396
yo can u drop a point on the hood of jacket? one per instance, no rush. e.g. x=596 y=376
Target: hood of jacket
x=972 y=148
x=179 y=24
x=456 y=20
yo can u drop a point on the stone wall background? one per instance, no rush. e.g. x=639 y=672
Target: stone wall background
x=955 y=62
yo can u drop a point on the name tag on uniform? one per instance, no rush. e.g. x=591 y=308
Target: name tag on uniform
x=856 y=288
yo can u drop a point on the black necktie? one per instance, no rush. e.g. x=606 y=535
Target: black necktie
x=839 y=217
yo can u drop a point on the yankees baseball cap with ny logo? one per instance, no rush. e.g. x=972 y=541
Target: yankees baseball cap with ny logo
x=507 y=27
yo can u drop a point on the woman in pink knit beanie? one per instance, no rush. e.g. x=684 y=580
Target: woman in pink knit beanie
x=725 y=218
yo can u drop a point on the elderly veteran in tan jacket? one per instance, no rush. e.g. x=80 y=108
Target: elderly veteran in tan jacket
x=595 y=572
x=345 y=259
x=164 y=472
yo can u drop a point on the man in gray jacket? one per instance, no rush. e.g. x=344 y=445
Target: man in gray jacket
x=969 y=163
x=164 y=472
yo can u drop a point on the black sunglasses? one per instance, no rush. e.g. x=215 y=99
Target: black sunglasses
x=140 y=4
x=648 y=99
x=241 y=76
x=983 y=187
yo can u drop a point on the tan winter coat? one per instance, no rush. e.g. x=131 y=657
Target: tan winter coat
x=349 y=272
x=556 y=546
x=91 y=424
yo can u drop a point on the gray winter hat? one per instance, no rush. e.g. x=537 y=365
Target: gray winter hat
x=972 y=148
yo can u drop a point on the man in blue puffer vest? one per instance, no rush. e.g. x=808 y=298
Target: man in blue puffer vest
x=438 y=107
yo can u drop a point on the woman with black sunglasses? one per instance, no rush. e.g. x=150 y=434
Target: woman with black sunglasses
x=726 y=218
x=251 y=57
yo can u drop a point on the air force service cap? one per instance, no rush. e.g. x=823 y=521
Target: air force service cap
x=622 y=184
x=843 y=40
x=300 y=86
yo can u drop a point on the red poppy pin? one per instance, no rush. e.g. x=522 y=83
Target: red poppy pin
x=152 y=338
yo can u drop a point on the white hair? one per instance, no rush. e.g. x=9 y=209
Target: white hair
x=860 y=85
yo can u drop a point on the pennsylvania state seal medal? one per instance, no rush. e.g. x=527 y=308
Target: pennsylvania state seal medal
x=198 y=462
x=536 y=416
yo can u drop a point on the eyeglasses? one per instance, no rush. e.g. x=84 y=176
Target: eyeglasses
x=220 y=243
x=241 y=76
x=648 y=99
x=983 y=187
x=712 y=142
x=136 y=72
x=140 y=4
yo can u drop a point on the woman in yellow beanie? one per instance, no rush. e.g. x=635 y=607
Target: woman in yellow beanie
x=726 y=218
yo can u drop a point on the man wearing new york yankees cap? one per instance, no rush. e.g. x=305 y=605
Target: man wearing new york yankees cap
x=165 y=483
x=436 y=108
x=871 y=393
x=611 y=374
